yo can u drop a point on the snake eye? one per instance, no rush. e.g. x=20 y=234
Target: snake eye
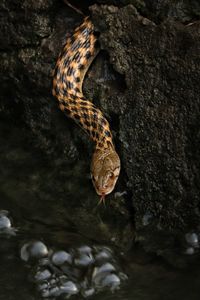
x=111 y=175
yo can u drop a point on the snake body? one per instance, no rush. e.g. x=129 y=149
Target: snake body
x=78 y=53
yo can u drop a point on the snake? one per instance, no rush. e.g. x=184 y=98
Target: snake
x=72 y=64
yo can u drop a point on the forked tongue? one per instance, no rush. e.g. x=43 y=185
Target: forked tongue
x=102 y=199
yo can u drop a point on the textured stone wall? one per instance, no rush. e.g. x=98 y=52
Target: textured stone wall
x=146 y=80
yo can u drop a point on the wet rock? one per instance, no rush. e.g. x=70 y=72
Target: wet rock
x=69 y=288
x=101 y=272
x=192 y=239
x=88 y=293
x=103 y=255
x=6 y=228
x=61 y=257
x=83 y=276
x=107 y=267
x=5 y=222
x=190 y=251
x=84 y=260
x=84 y=256
x=33 y=250
x=85 y=249
x=42 y=275
x=43 y=286
x=112 y=281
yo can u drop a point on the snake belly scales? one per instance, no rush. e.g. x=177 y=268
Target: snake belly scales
x=78 y=53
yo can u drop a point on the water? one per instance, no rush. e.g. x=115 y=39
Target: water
x=33 y=199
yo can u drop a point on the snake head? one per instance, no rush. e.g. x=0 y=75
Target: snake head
x=105 y=169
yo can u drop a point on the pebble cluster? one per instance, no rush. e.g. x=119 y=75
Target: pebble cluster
x=84 y=270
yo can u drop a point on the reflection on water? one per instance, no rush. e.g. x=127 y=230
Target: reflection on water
x=43 y=252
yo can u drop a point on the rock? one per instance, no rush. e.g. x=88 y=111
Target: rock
x=111 y=280
x=182 y=11
x=103 y=255
x=84 y=260
x=69 y=288
x=157 y=114
x=6 y=228
x=100 y=273
x=4 y=222
x=83 y=276
x=190 y=251
x=33 y=250
x=149 y=71
x=88 y=293
x=192 y=239
x=61 y=257
x=42 y=275
x=85 y=249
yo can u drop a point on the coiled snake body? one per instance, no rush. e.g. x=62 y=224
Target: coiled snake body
x=71 y=67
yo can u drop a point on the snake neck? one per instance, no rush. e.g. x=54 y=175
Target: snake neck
x=89 y=118
x=71 y=67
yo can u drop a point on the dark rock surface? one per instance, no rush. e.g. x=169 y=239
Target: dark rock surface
x=146 y=81
x=158 y=113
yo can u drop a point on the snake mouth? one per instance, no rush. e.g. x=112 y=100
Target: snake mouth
x=103 y=192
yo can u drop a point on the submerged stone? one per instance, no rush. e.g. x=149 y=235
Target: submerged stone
x=54 y=291
x=103 y=255
x=112 y=281
x=107 y=267
x=85 y=249
x=192 y=239
x=60 y=273
x=84 y=260
x=32 y=250
x=61 y=257
x=100 y=273
x=42 y=275
x=190 y=251
x=88 y=292
x=45 y=293
x=5 y=222
x=43 y=286
x=69 y=287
